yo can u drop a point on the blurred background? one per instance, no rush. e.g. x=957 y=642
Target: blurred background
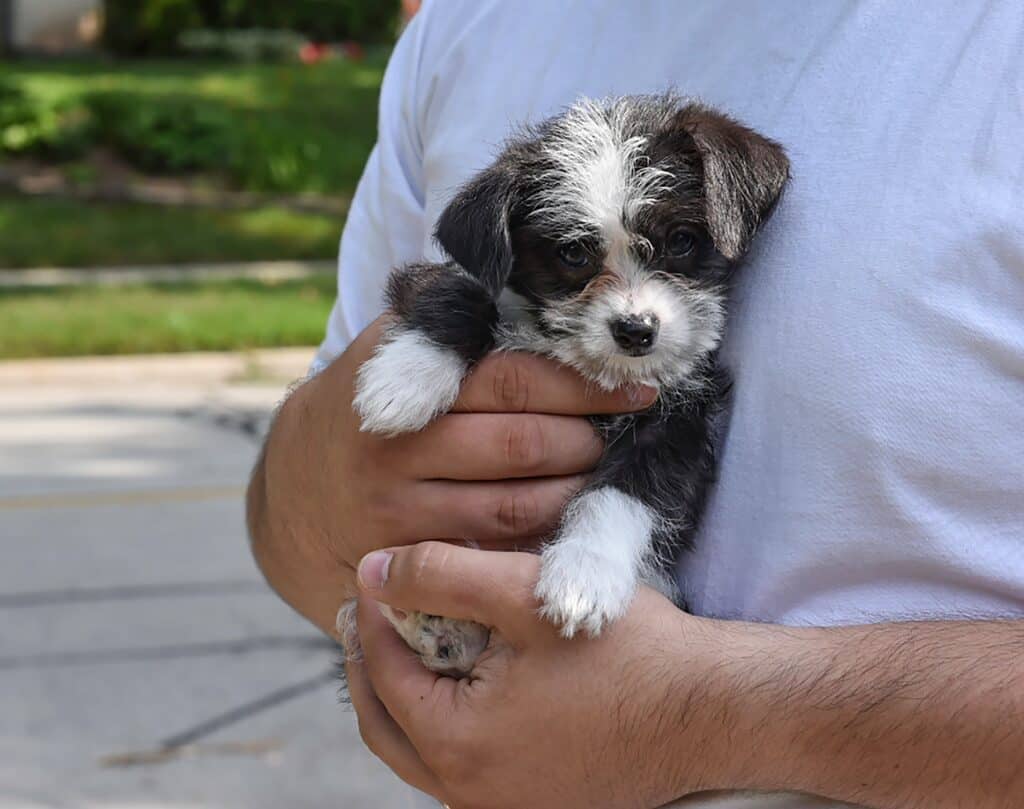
x=174 y=178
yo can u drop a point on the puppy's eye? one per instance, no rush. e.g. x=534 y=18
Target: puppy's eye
x=680 y=243
x=573 y=254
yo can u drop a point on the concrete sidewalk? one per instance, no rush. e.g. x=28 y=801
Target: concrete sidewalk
x=131 y=614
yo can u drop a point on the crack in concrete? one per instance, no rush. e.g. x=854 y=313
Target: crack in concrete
x=86 y=595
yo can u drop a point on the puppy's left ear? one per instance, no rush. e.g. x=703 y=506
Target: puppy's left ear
x=744 y=174
x=474 y=229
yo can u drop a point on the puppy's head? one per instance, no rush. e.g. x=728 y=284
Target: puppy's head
x=619 y=222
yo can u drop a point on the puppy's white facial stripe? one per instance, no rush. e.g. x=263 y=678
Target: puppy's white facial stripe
x=590 y=571
x=407 y=383
x=597 y=182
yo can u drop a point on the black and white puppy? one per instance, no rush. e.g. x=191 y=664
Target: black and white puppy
x=610 y=234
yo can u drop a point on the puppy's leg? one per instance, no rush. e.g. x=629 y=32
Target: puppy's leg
x=590 y=571
x=444 y=322
x=630 y=525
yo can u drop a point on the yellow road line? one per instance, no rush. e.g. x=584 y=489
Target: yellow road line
x=135 y=498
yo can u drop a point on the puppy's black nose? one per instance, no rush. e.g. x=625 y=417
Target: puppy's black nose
x=636 y=334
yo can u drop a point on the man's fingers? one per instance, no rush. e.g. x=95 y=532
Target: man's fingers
x=383 y=736
x=490 y=587
x=499 y=514
x=516 y=382
x=415 y=697
x=500 y=446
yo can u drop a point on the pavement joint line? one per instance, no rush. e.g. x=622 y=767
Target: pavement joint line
x=86 y=595
x=122 y=498
x=170 y=652
x=248 y=709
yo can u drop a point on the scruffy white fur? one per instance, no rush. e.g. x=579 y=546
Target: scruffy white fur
x=407 y=383
x=690 y=330
x=595 y=181
x=590 y=573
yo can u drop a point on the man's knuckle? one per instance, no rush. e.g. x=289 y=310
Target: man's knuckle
x=511 y=384
x=525 y=444
x=423 y=558
x=517 y=514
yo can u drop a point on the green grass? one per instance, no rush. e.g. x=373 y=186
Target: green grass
x=292 y=127
x=160 y=318
x=39 y=232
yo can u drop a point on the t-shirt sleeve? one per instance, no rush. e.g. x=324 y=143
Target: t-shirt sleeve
x=386 y=221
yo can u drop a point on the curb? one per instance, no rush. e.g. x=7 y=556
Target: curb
x=267 y=271
x=261 y=366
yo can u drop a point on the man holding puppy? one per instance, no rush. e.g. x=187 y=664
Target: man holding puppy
x=864 y=539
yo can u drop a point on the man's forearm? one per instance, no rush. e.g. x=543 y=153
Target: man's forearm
x=893 y=716
x=287 y=518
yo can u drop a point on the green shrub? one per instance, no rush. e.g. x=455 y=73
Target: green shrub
x=29 y=127
x=150 y=27
x=168 y=135
x=137 y=27
x=282 y=128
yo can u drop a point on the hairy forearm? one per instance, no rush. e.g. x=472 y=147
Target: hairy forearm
x=892 y=716
x=287 y=512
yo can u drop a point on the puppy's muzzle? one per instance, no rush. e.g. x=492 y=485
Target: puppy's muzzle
x=636 y=334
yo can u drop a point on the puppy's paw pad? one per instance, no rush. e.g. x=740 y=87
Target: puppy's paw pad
x=407 y=383
x=445 y=645
x=581 y=591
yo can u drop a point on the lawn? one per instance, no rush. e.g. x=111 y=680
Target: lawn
x=44 y=232
x=163 y=317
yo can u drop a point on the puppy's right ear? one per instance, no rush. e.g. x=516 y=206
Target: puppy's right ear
x=474 y=229
x=744 y=175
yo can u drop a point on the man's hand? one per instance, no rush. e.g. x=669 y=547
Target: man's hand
x=544 y=722
x=664 y=704
x=498 y=470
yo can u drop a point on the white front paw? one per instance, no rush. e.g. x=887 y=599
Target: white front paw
x=407 y=383
x=581 y=590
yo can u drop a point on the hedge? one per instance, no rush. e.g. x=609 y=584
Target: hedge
x=155 y=27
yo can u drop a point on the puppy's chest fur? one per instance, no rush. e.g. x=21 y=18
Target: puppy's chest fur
x=666 y=458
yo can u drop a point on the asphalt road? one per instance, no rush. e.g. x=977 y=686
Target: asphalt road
x=143 y=661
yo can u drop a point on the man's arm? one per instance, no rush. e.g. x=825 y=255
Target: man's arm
x=663 y=704
x=896 y=716
x=498 y=471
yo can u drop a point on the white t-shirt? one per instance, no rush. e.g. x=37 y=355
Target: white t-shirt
x=874 y=465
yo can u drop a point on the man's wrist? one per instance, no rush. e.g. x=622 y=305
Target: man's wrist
x=888 y=715
x=733 y=729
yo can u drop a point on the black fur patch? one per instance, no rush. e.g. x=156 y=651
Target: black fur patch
x=474 y=228
x=453 y=309
x=666 y=458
